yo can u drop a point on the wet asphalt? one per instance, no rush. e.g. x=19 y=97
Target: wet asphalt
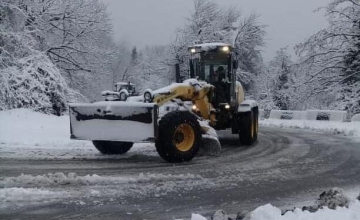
x=283 y=167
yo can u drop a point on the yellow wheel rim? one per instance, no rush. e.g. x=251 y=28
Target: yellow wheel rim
x=252 y=129
x=257 y=126
x=184 y=137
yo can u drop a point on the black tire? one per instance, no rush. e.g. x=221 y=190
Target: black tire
x=123 y=96
x=175 y=129
x=247 y=128
x=112 y=147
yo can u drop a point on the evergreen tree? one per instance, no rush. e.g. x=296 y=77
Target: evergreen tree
x=280 y=69
x=134 y=56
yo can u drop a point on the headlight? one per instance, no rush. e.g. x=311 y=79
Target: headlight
x=192 y=50
x=227 y=106
x=225 y=49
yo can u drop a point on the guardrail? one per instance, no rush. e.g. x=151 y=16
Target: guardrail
x=356 y=118
x=287 y=115
x=319 y=115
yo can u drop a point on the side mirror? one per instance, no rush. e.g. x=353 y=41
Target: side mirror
x=192 y=69
x=235 y=64
x=177 y=73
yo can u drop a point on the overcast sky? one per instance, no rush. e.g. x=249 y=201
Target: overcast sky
x=143 y=22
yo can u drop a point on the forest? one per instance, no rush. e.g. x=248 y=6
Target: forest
x=53 y=52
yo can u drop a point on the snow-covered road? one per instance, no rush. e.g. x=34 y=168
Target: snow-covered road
x=70 y=179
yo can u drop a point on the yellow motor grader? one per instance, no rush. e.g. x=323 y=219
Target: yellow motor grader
x=217 y=103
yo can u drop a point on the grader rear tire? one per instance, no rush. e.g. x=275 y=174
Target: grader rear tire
x=248 y=128
x=112 y=147
x=179 y=137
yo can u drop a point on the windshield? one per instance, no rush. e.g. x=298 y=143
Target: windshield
x=215 y=73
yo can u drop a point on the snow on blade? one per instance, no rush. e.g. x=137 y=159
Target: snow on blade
x=211 y=143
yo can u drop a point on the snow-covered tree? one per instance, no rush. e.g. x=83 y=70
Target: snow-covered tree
x=210 y=22
x=207 y=23
x=75 y=35
x=248 y=42
x=329 y=58
x=28 y=78
x=263 y=90
x=70 y=32
x=153 y=69
x=272 y=87
x=280 y=70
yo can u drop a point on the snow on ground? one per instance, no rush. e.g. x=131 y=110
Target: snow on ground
x=344 y=128
x=28 y=134
x=25 y=134
x=25 y=188
x=270 y=212
x=74 y=179
x=25 y=194
x=26 y=127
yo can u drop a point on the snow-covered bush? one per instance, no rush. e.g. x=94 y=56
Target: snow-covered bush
x=35 y=83
x=333 y=198
x=28 y=78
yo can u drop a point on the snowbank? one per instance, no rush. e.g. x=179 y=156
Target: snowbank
x=347 y=128
x=74 y=179
x=269 y=212
x=26 y=127
x=22 y=194
x=197 y=217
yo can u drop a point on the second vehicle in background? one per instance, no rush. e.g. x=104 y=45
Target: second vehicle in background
x=122 y=90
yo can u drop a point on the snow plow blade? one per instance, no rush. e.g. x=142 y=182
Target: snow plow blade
x=114 y=121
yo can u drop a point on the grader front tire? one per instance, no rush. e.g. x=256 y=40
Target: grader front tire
x=112 y=147
x=248 y=127
x=179 y=137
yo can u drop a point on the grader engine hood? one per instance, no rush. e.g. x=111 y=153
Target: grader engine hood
x=114 y=121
